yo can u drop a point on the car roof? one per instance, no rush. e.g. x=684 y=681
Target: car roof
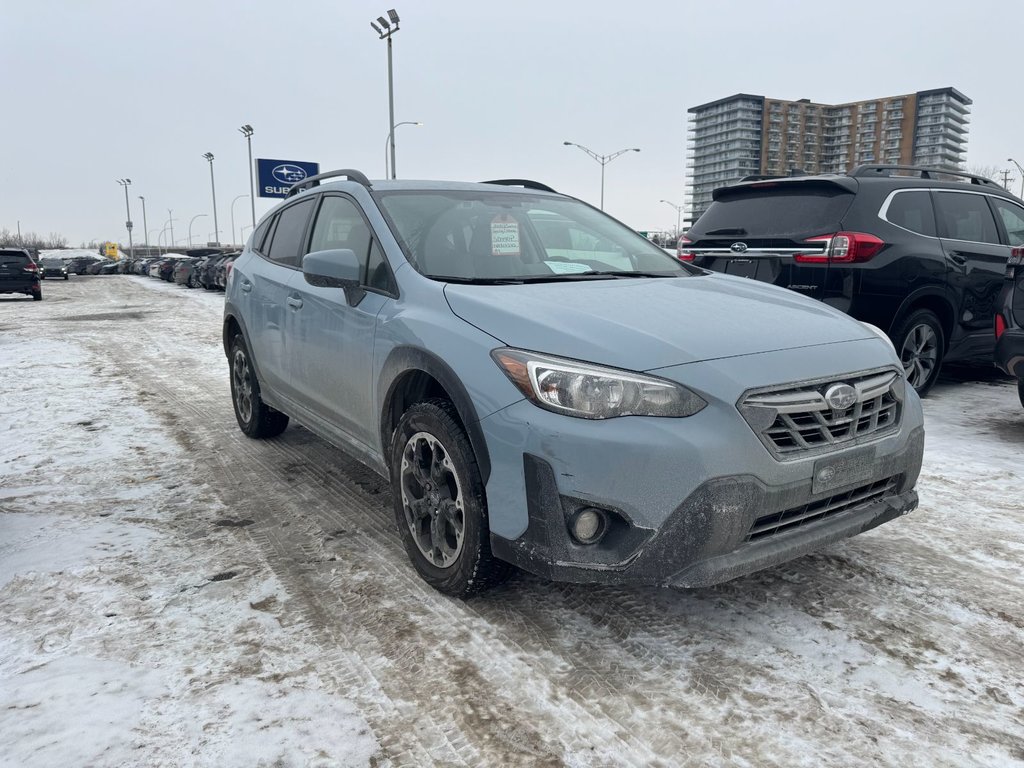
x=418 y=185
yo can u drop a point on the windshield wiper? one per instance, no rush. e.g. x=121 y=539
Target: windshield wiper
x=632 y=273
x=477 y=280
x=727 y=231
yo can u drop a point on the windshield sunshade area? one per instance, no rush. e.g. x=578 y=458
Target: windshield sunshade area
x=509 y=237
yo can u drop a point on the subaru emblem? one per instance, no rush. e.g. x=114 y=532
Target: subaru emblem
x=840 y=396
x=287 y=173
x=738 y=247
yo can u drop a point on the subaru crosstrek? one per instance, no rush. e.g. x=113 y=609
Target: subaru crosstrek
x=547 y=389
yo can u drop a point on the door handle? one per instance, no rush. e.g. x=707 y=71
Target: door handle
x=294 y=302
x=246 y=286
x=957 y=258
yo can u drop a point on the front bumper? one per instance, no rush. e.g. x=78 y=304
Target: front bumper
x=1010 y=352
x=692 y=501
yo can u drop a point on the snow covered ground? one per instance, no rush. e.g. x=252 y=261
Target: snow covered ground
x=174 y=594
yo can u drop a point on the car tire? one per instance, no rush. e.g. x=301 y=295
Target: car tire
x=255 y=418
x=37 y=296
x=433 y=465
x=1020 y=391
x=65 y=277
x=921 y=345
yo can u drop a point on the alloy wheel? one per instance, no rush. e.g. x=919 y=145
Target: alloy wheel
x=433 y=500
x=920 y=354
x=241 y=380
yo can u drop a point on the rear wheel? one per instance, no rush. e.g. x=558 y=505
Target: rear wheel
x=37 y=296
x=439 y=502
x=920 y=343
x=1020 y=390
x=255 y=418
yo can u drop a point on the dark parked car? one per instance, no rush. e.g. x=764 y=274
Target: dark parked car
x=906 y=249
x=19 y=273
x=80 y=265
x=1010 y=319
x=51 y=267
x=182 y=274
x=223 y=270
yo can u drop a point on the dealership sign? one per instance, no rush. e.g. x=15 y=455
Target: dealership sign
x=276 y=177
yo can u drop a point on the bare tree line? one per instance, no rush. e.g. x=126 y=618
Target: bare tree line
x=31 y=240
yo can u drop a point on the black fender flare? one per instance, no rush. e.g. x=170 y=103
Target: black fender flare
x=403 y=360
x=231 y=314
x=941 y=292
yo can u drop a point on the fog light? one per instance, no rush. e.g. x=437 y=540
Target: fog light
x=589 y=525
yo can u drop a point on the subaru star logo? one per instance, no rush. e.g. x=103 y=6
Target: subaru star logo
x=840 y=396
x=738 y=247
x=288 y=174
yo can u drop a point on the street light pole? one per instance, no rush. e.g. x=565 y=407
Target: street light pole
x=233 y=217
x=385 y=31
x=246 y=130
x=213 y=191
x=679 y=212
x=1021 y=175
x=145 y=227
x=197 y=216
x=387 y=142
x=170 y=224
x=128 y=223
x=602 y=159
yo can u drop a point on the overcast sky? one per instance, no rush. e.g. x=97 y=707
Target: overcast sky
x=96 y=90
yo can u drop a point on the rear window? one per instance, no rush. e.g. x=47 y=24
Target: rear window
x=780 y=211
x=13 y=258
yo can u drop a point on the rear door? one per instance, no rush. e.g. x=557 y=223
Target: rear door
x=765 y=231
x=13 y=272
x=977 y=259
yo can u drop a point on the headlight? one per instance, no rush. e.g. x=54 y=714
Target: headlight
x=591 y=391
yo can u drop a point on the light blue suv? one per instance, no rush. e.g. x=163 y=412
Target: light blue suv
x=547 y=389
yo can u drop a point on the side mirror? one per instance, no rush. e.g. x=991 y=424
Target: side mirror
x=335 y=268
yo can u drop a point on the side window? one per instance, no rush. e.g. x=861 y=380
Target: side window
x=259 y=235
x=964 y=216
x=1012 y=216
x=286 y=245
x=913 y=211
x=339 y=224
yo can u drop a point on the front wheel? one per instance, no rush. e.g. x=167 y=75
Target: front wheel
x=920 y=343
x=439 y=502
x=255 y=418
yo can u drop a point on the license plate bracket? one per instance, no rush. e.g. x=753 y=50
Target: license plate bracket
x=851 y=468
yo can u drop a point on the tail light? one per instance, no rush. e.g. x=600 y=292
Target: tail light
x=842 y=247
x=31 y=266
x=681 y=250
x=1000 y=326
x=1016 y=260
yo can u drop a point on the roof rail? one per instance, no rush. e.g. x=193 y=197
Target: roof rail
x=314 y=181
x=926 y=173
x=524 y=183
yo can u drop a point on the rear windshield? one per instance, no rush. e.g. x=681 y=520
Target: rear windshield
x=13 y=259
x=775 y=212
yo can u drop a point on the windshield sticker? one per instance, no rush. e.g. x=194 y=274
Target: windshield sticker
x=566 y=267
x=504 y=236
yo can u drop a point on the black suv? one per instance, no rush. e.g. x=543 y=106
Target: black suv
x=19 y=273
x=917 y=252
x=1010 y=321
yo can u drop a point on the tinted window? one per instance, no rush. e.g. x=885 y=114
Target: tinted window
x=340 y=225
x=287 y=241
x=913 y=211
x=13 y=259
x=1012 y=216
x=783 y=210
x=964 y=216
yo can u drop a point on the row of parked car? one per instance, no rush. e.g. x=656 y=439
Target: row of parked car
x=206 y=268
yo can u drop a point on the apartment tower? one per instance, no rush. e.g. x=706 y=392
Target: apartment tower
x=746 y=135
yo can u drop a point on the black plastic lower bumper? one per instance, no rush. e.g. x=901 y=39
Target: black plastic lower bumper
x=1010 y=352
x=705 y=539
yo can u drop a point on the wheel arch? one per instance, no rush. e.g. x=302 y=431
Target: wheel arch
x=411 y=375
x=933 y=300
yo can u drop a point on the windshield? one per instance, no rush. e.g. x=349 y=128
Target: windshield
x=496 y=236
x=53 y=263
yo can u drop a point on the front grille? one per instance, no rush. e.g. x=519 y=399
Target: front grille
x=796 y=420
x=789 y=519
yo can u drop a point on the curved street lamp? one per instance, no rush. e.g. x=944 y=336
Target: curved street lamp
x=602 y=159
x=1010 y=159
x=128 y=223
x=197 y=216
x=679 y=212
x=387 y=142
x=233 y=217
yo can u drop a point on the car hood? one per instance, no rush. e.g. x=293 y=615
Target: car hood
x=642 y=324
